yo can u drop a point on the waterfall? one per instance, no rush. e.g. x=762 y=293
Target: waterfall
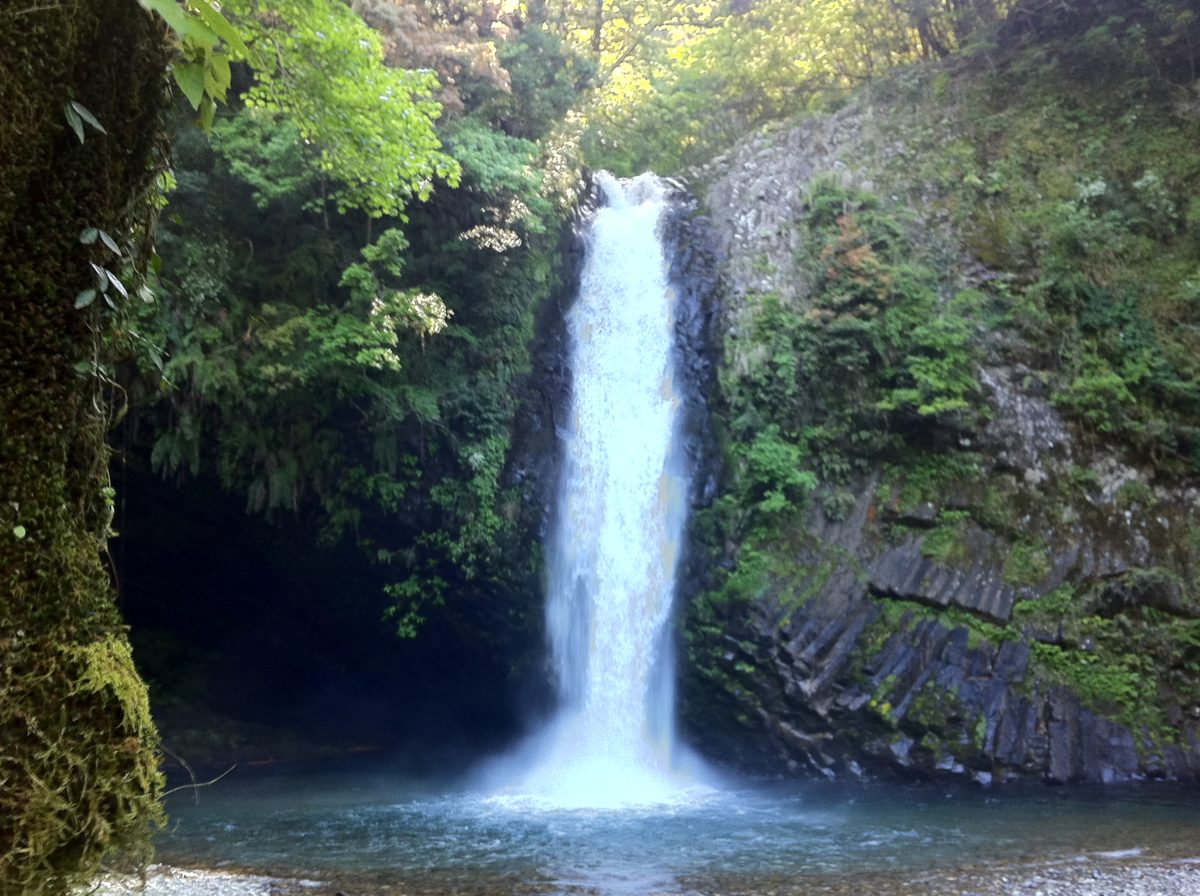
x=622 y=502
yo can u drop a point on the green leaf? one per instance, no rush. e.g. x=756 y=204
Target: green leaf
x=190 y=78
x=85 y=298
x=172 y=13
x=19 y=531
x=89 y=235
x=220 y=25
x=73 y=120
x=117 y=284
x=198 y=36
x=146 y=294
x=82 y=111
x=101 y=276
x=208 y=111
x=217 y=76
x=110 y=242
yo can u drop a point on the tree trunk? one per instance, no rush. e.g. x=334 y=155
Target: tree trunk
x=78 y=751
x=597 y=25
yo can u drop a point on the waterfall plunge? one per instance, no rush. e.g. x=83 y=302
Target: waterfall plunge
x=621 y=508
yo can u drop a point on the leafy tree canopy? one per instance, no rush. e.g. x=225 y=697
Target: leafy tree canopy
x=368 y=126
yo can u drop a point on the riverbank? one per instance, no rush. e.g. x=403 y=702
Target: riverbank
x=1101 y=874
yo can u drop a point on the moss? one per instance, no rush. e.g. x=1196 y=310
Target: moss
x=1027 y=564
x=919 y=477
x=1128 y=668
x=1117 y=685
x=944 y=543
x=80 y=757
x=108 y=671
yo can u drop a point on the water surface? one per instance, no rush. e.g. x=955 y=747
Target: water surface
x=444 y=837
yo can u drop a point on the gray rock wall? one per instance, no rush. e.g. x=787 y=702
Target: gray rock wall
x=871 y=655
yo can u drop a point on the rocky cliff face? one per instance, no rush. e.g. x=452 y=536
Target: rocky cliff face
x=993 y=594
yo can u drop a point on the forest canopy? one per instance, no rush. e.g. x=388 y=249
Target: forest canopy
x=354 y=256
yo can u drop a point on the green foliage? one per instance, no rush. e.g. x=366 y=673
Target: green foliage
x=368 y=126
x=1118 y=684
x=775 y=476
x=681 y=81
x=1062 y=147
x=938 y=377
x=919 y=477
x=872 y=365
x=205 y=44
x=1126 y=665
x=1076 y=187
x=877 y=359
x=268 y=154
x=547 y=78
x=944 y=543
x=365 y=378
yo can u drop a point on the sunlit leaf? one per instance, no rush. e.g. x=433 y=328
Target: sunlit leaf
x=172 y=13
x=221 y=27
x=198 y=35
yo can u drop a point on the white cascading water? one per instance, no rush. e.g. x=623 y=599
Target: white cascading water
x=622 y=503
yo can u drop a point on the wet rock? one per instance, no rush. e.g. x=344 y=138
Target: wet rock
x=1025 y=432
x=858 y=660
x=904 y=572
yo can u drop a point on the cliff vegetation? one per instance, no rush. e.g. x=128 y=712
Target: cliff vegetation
x=958 y=420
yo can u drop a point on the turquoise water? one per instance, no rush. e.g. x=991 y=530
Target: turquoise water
x=427 y=837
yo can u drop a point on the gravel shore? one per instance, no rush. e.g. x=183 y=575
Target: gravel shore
x=1094 y=875
x=1081 y=877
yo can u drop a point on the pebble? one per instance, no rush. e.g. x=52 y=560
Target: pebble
x=162 y=880
x=1078 y=877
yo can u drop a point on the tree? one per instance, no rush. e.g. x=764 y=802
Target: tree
x=81 y=90
x=301 y=357
x=371 y=126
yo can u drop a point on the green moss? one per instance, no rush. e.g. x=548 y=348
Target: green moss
x=108 y=671
x=1058 y=604
x=80 y=756
x=1027 y=564
x=944 y=543
x=979 y=732
x=936 y=709
x=1118 y=685
x=918 y=477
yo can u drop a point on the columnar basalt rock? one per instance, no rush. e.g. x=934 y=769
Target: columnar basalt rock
x=870 y=650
